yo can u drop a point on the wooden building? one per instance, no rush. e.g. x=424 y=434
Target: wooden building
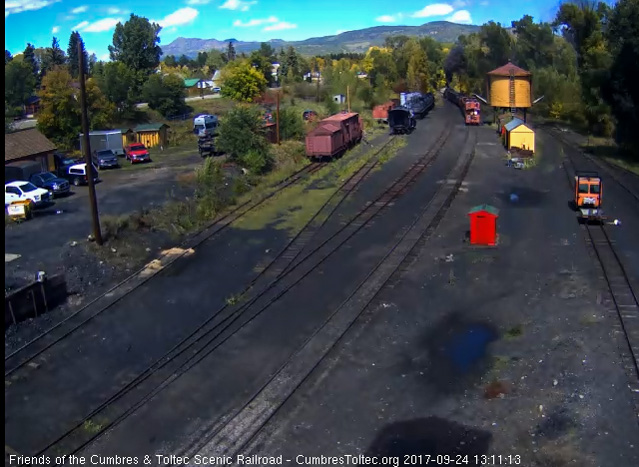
x=519 y=135
x=128 y=136
x=152 y=134
x=29 y=145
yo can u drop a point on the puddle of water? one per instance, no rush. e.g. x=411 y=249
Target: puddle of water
x=467 y=348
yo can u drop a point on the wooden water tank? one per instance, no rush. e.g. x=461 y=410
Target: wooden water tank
x=501 y=93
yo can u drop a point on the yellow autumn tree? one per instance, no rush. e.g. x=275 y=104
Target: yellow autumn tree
x=242 y=82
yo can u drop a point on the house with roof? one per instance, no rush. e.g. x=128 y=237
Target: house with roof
x=28 y=146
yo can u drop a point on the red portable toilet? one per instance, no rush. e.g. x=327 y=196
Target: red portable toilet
x=483 y=225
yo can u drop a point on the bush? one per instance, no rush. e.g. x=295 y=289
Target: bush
x=256 y=162
x=291 y=124
x=209 y=192
x=241 y=132
x=288 y=154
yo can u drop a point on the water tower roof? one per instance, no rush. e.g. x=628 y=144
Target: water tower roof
x=506 y=70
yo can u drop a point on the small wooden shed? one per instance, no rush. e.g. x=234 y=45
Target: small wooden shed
x=152 y=134
x=128 y=136
x=483 y=225
x=520 y=135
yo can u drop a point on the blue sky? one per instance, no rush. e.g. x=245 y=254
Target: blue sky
x=36 y=21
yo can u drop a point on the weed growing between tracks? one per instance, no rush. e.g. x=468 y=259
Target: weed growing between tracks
x=291 y=209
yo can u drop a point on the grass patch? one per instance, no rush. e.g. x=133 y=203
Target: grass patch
x=514 y=332
x=91 y=426
x=500 y=363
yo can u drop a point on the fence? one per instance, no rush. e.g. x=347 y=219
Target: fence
x=34 y=299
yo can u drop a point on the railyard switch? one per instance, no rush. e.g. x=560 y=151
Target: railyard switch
x=483 y=225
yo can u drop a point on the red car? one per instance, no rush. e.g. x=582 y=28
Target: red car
x=137 y=152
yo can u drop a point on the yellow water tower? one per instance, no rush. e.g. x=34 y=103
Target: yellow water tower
x=510 y=87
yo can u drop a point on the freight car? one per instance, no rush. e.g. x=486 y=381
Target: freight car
x=469 y=106
x=380 y=112
x=334 y=135
x=401 y=121
x=420 y=104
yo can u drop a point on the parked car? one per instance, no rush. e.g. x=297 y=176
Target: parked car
x=137 y=152
x=55 y=185
x=106 y=158
x=23 y=191
x=217 y=89
x=77 y=174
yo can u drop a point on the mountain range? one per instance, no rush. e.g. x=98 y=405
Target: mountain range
x=351 y=41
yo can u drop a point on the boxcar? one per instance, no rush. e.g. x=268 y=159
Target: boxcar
x=380 y=112
x=334 y=135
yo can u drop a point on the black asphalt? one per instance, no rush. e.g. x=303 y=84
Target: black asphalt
x=411 y=376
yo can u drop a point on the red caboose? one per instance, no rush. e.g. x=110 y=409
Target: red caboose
x=334 y=135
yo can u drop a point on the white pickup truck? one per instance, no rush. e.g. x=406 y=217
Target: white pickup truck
x=22 y=191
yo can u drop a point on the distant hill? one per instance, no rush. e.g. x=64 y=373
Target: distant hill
x=351 y=41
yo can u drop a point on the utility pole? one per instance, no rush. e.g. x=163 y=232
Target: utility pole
x=97 y=234
x=277 y=116
x=319 y=77
x=348 y=98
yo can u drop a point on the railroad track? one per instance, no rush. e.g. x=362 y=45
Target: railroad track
x=17 y=359
x=612 y=170
x=241 y=430
x=621 y=296
x=211 y=335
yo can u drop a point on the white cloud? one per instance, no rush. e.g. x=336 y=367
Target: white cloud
x=198 y=2
x=340 y=31
x=181 y=16
x=55 y=29
x=102 y=25
x=435 y=9
x=386 y=19
x=459 y=4
x=17 y=6
x=82 y=25
x=461 y=16
x=105 y=57
x=254 y=22
x=80 y=9
x=113 y=10
x=282 y=25
x=237 y=5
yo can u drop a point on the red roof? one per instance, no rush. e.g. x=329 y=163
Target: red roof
x=340 y=117
x=506 y=69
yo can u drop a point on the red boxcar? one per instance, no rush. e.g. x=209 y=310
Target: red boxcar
x=380 y=112
x=334 y=135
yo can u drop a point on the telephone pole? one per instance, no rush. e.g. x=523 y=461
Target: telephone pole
x=97 y=234
x=348 y=98
x=277 y=115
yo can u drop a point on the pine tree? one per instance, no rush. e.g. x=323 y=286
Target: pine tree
x=72 y=52
x=7 y=56
x=231 y=55
x=30 y=59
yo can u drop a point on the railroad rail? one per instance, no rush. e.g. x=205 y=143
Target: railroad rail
x=241 y=429
x=211 y=335
x=73 y=322
x=613 y=170
x=621 y=296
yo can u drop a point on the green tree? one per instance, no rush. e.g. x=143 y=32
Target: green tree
x=230 y=52
x=135 y=43
x=215 y=59
x=621 y=91
x=170 y=60
x=263 y=65
x=7 y=56
x=267 y=51
x=184 y=60
x=117 y=82
x=72 y=52
x=28 y=56
x=201 y=59
x=242 y=82
x=291 y=124
x=19 y=83
x=241 y=136
x=59 y=117
x=165 y=94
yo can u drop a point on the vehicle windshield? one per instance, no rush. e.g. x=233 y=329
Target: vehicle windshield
x=137 y=147
x=47 y=176
x=583 y=188
x=107 y=152
x=594 y=189
x=28 y=187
